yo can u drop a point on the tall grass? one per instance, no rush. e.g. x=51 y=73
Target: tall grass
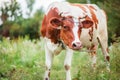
x=23 y=59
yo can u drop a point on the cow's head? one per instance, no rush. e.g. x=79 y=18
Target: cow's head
x=70 y=30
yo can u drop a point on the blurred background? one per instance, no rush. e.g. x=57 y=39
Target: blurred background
x=23 y=17
x=22 y=48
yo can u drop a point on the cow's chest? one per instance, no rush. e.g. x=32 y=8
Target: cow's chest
x=53 y=48
x=88 y=37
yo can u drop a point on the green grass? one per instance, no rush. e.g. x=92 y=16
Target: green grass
x=23 y=59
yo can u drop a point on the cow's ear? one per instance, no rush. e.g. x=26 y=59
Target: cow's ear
x=87 y=23
x=56 y=22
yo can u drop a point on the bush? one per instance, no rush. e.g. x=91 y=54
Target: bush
x=115 y=60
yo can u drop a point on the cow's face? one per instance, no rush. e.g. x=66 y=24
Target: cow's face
x=70 y=30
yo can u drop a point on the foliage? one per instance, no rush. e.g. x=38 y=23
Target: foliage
x=29 y=26
x=23 y=59
x=115 y=58
x=20 y=26
x=10 y=10
x=30 y=5
x=77 y=1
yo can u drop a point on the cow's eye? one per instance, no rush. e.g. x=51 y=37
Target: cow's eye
x=65 y=27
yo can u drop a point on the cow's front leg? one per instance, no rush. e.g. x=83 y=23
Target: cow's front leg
x=93 y=50
x=48 y=62
x=93 y=60
x=67 y=63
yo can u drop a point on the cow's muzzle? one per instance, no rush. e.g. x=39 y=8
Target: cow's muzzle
x=76 y=45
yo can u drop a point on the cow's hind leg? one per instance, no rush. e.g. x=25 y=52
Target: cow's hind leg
x=48 y=62
x=67 y=63
x=104 y=46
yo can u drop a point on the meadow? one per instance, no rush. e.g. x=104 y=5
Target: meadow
x=23 y=59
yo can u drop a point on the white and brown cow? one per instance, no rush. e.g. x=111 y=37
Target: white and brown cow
x=71 y=27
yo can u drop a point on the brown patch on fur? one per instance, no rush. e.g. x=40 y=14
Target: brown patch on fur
x=94 y=65
x=46 y=78
x=93 y=8
x=95 y=26
x=93 y=15
x=94 y=18
x=43 y=27
x=93 y=53
x=46 y=29
x=93 y=47
x=67 y=67
x=53 y=34
x=81 y=6
x=91 y=33
x=49 y=74
x=79 y=32
x=99 y=41
x=66 y=33
x=107 y=50
x=108 y=58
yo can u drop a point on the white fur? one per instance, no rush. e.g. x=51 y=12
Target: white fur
x=68 y=59
x=53 y=48
x=67 y=9
x=75 y=30
x=48 y=60
x=85 y=37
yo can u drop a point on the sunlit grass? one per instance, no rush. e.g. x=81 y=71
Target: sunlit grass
x=23 y=59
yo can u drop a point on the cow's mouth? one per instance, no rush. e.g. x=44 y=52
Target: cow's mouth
x=77 y=48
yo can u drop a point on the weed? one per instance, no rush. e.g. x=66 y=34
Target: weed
x=23 y=59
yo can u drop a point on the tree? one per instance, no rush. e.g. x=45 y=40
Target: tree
x=10 y=11
x=77 y=1
x=30 y=6
x=15 y=25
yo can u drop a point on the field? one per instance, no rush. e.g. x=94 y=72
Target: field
x=23 y=59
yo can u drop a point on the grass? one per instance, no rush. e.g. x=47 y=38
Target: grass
x=23 y=59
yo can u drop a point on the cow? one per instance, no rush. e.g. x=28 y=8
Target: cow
x=72 y=26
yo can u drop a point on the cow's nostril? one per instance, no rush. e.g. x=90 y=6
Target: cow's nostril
x=74 y=45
